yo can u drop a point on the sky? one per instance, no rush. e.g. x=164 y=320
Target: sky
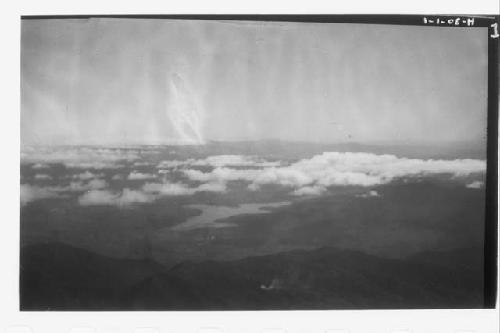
x=137 y=81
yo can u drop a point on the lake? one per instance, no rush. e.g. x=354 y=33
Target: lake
x=212 y=216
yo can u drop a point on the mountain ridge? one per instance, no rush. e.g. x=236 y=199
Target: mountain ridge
x=56 y=276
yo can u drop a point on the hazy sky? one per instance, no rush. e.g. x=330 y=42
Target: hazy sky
x=124 y=81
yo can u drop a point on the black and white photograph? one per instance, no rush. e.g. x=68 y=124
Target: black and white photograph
x=174 y=164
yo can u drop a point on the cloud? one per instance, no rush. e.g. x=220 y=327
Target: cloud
x=40 y=166
x=141 y=163
x=80 y=186
x=338 y=169
x=222 y=174
x=475 y=184
x=42 y=176
x=129 y=196
x=253 y=187
x=175 y=189
x=174 y=163
x=108 y=198
x=87 y=175
x=365 y=169
x=97 y=197
x=168 y=189
x=311 y=176
x=94 y=184
x=287 y=176
x=234 y=160
x=97 y=184
x=198 y=175
x=93 y=165
x=134 y=175
x=79 y=157
x=211 y=187
x=29 y=193
x=369 y=194
x=309 y=191
x=221 y=161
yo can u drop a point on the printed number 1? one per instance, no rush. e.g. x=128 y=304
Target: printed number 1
x=495 y=30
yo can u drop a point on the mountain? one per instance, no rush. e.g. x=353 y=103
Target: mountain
x=55 y=276
x=301 y=149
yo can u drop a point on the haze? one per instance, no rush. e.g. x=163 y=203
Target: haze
x=135 y=81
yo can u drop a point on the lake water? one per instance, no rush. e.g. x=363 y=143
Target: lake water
x=213 y=216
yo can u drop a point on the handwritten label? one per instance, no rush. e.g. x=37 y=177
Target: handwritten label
x=457 y=21
x=494 y=27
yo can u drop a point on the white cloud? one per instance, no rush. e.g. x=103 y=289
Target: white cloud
x=309 y=190
x=475 y=184
x=108 y=198
x=220 y=161
x=42 y=176
x=288 y=176
x=234 y=160
x=93 y=165
x=174 y=163
x=78 y=157
x=31 y=193
x=366 y=169
x=198 y=175
x=73 y=187
x=129 y=196
x=134 y=175
x=95 y=184
x=341 y=169
x=369 y=194
x=97 y=197
x=87 y=175
x=253 y=187
x=306 y=177
x=222 y=174
x=79 y=186
x=97 y=194
x=168 y=189
x=174 y=189
x=40 y=166
x=117 y=177
x=212 y=187
x=140 y=163
x=312 y=176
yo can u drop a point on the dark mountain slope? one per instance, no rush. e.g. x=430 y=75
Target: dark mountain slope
x=60 y=277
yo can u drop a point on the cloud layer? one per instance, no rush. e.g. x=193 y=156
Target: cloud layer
x=105 y=197
x=134 y=175
x=172 y=189
x=306 y=177
x=220 y=161
x=78 y=157
x=314 y=175
x=475 y=184
x=31 y=193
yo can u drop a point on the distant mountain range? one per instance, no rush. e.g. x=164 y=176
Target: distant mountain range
x=445 y=150
x=56 y=276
